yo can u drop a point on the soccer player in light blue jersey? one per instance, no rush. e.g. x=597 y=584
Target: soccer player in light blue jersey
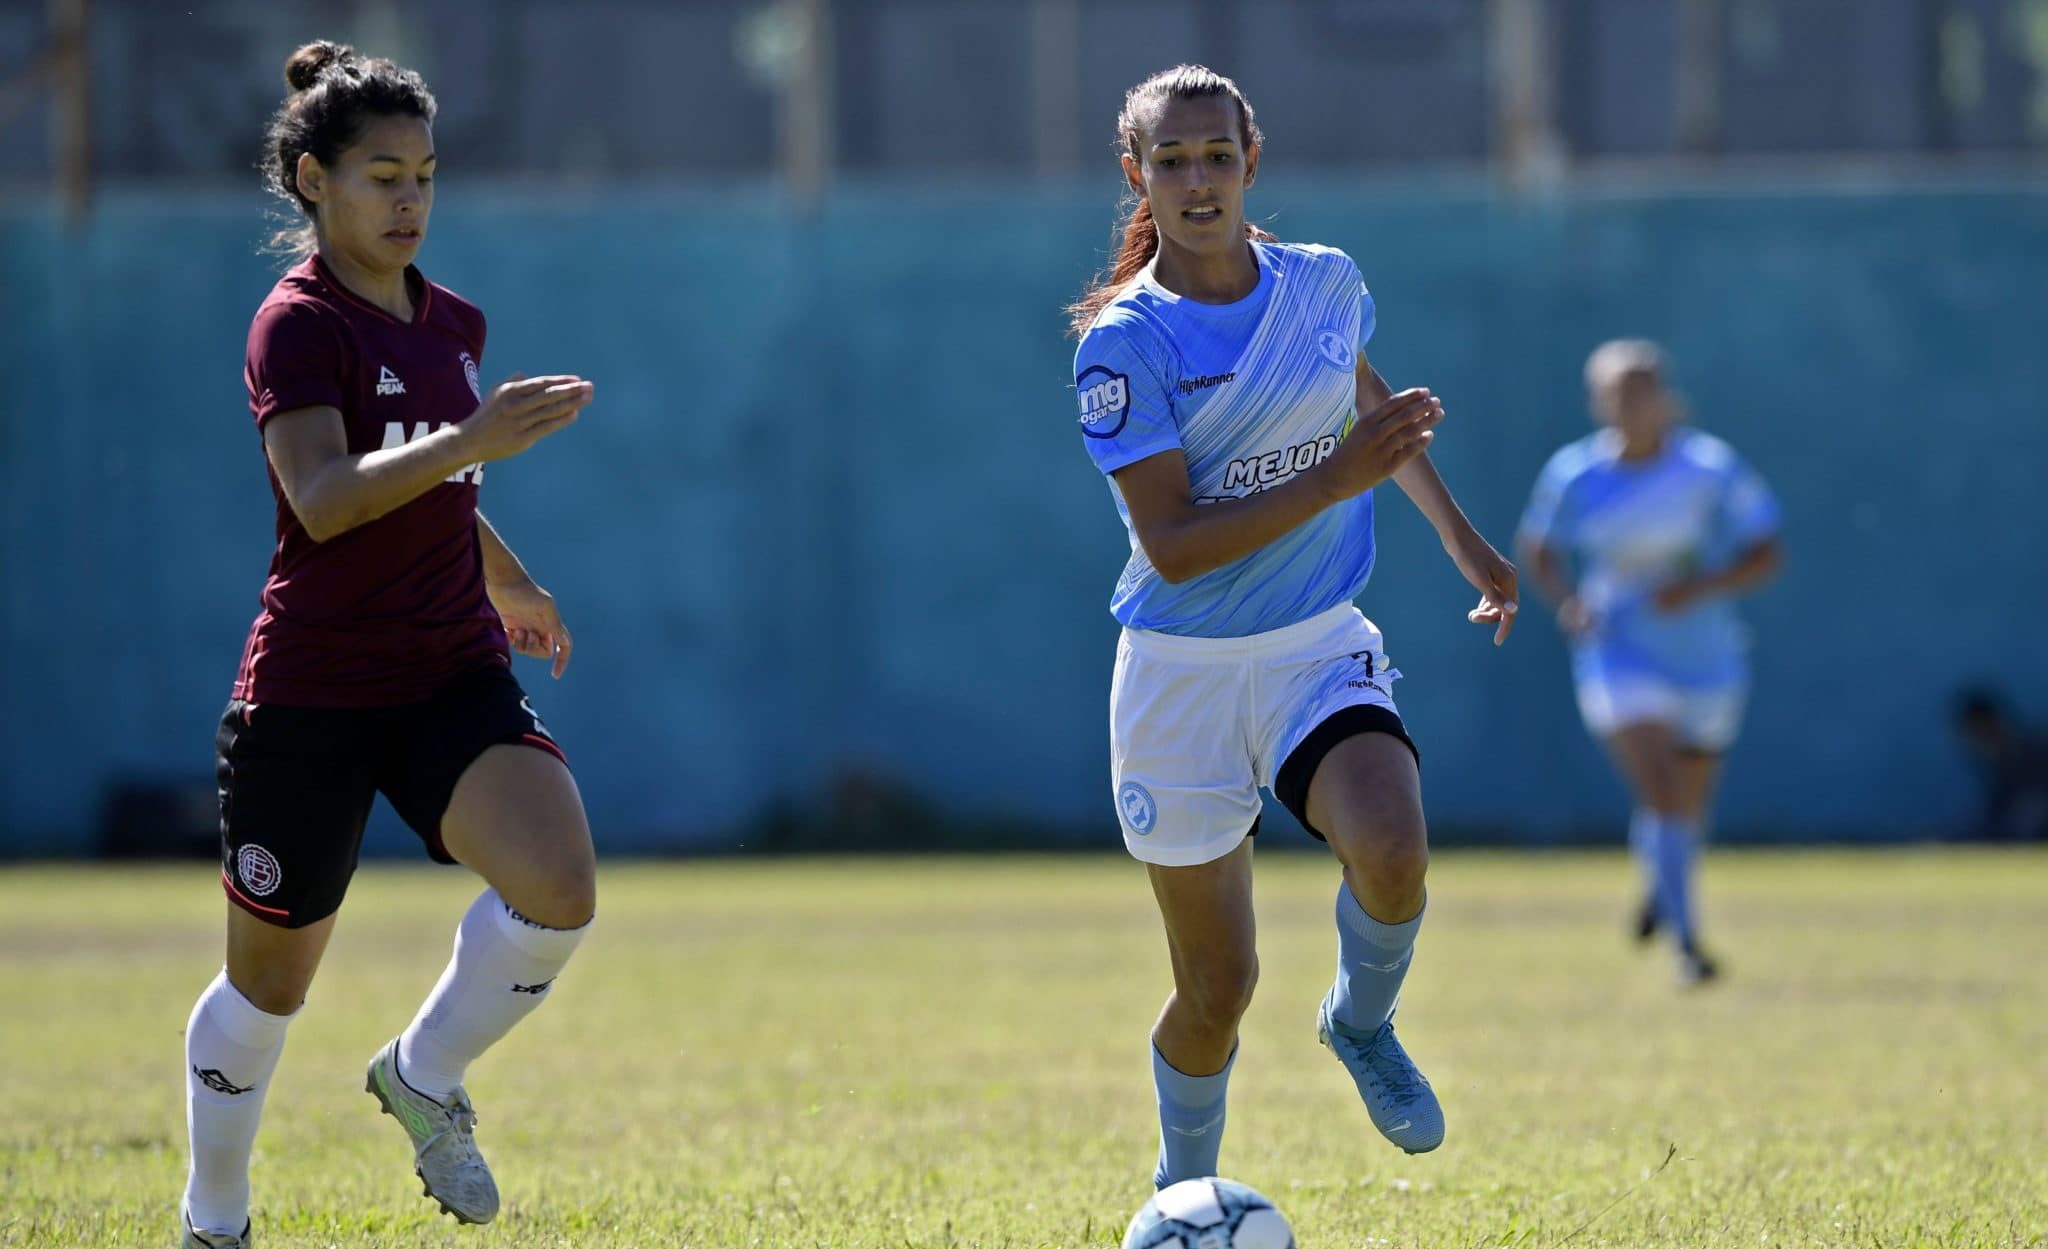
x=1220 y=375
x=1664 y=524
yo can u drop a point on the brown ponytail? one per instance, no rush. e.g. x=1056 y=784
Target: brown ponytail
x=1140 y=234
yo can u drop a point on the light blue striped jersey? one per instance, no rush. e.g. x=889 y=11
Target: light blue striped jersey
x=1633 y=528
x=1250 y=393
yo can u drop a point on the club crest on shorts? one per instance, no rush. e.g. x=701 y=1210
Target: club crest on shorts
x=469 y=374
x=1335 y=347
x=1135 y=803
x=258 y=869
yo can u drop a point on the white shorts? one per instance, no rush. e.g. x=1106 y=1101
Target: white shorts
x=1197 y=725
x=1703 y=719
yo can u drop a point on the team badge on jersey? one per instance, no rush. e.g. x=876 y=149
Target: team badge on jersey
x=469 y=375
x=1105 y=401
x=1335 y=347
x=258 y=869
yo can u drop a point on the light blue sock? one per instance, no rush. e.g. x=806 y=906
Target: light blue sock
x=1190 y=1119
x=1674 y=842
x=1644 y=835
x=1372 y=961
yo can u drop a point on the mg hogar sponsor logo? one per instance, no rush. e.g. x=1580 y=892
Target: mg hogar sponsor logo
x=1105 y=401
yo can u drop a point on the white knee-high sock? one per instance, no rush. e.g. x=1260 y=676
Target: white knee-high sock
x=503 y=966
x=231 y=1048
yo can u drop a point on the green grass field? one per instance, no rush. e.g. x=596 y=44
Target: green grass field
x=888 y=1052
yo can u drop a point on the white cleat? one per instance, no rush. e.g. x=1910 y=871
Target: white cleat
x=196 y=1239
x=451 y=1171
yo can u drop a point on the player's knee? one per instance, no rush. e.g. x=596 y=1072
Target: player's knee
x=563 y=897
x=272 y=990
x=1220 y=991
x=1389 y=873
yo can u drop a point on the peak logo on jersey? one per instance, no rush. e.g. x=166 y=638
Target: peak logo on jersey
x=469 y=374
x=1105 y=401
x=1259 y=472
x=1139 y=811
x=387 y=381
x=1189 y=385
x=1335 y=347
x=398 y=433
x=259 y=870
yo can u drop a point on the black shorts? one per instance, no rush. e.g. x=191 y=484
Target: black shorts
x=1290 y=786
x=296 y=784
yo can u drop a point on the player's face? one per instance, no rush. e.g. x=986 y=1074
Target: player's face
x=1636 y=404
x=1193 y=169
x=374 y=201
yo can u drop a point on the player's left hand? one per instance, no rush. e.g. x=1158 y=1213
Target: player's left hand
x=532 y=623
x=1494 y=577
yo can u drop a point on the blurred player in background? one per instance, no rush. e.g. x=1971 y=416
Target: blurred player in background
x=1219 y=374
x=1665 y=526
x=379 y=661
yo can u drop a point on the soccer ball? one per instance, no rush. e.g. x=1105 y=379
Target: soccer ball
x=1209 y=1214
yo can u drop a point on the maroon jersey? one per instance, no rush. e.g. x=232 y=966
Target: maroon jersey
x=387 y=612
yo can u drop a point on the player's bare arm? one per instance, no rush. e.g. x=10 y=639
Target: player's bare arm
x=533 y=622
x=1757 y=564
x=1184 y=539
x=1484 y=567
x=333 y=491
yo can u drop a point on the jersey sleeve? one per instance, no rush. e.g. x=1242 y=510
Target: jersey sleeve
x=295 y=360
x=1126 y=407
x=1368 y=312
x=1749 y=511
x=1546 y=519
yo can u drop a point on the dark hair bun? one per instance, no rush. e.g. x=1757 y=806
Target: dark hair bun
x=304 y=67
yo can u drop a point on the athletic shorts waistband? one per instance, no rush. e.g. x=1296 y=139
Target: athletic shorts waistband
x=1227 y=650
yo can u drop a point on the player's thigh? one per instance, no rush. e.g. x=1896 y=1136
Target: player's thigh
x=1366 y=798
x=1696 y=773
x=1347 y=768
x=1211 y=934
x=1646 y=753
x=483 y=783
x=516 y=819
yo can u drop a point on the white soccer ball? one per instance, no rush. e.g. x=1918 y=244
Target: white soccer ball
x=1209 y=1214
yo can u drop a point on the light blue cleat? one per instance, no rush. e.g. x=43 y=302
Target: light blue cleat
x=1397 y=1096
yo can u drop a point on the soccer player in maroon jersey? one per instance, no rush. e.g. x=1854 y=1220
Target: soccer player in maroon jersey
x=379 y=662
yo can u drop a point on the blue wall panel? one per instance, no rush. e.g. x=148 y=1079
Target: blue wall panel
x=829 y=512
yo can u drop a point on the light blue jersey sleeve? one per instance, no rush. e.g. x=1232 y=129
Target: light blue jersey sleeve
x=1547 y=519
x=1127 y=411
x=1368 y=316
x=1749 y=511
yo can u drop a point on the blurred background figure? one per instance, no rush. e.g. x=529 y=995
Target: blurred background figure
x=1642 y=533
x=2012 y=765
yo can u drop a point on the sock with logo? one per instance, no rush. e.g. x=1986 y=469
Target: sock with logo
x=502 y=968
x=231 y=1048
x=1674 y=838
x=1190 y=1119
x=1372 y=961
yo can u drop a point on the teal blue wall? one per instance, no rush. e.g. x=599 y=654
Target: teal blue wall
x=830 y=510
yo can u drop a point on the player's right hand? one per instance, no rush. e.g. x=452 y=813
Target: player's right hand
x=521 y=411
x=1574 y=617
x=1383 y=441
